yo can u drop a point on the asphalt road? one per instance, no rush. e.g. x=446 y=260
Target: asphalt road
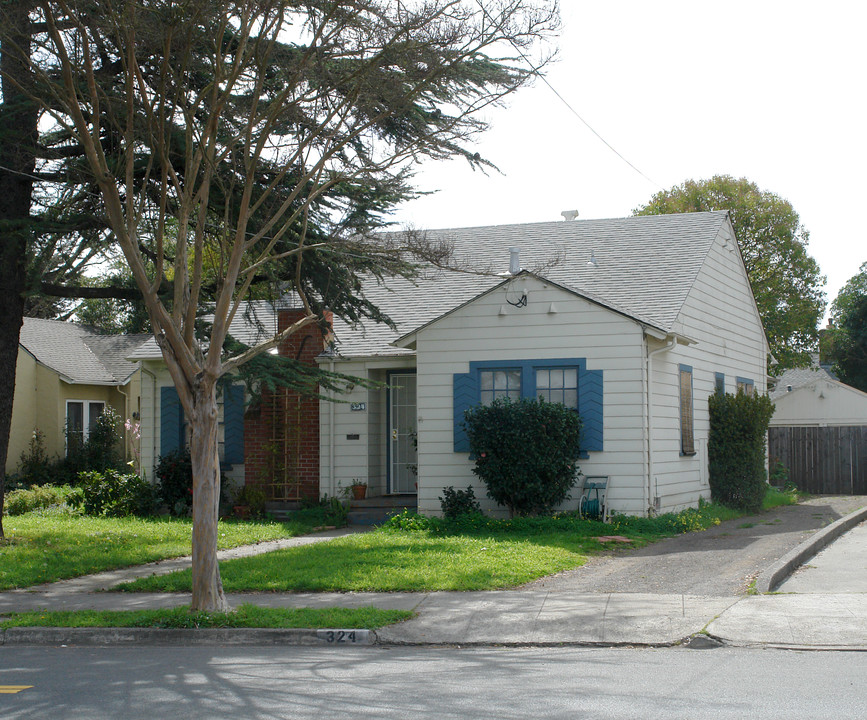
x=722 y=561
x=435 y=684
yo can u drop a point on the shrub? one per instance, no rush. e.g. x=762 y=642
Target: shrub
x=736 y=449
x=174 y=474
x=35 y=467
x=174 y=483
x=115 y=495
x=455 y=503
x=38 y=497
x=525 y=452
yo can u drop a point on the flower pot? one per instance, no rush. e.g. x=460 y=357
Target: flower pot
x=359 y=492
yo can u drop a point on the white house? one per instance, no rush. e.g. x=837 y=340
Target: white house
x=634 y=322
x=813 y=397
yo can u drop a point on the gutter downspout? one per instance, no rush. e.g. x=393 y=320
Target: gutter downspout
x=648 y=489
x=153 y=420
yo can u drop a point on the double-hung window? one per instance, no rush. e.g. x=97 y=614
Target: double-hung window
x=558 y=385
x=564 y=380
x=746 y=386
x=81 y=417
x=499 y=383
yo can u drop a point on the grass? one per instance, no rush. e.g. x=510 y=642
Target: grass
x=44 y=547
x=245 y=616
x=415 y=553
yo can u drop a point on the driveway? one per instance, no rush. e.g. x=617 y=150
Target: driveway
x=722 y=561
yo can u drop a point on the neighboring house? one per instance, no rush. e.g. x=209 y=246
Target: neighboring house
x=819 y=432
x=66 y=376
x=634 y=322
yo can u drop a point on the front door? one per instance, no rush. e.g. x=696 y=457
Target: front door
x=402 y=456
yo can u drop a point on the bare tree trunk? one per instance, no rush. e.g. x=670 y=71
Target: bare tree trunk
x=207 y=585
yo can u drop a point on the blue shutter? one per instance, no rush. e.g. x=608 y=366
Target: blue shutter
x=590 y=408
x=171 y=421
x=233 y=424
x=466 y=395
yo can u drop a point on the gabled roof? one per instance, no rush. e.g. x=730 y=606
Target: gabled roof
x=78 y=353
x=795 y=378
x=644 y=268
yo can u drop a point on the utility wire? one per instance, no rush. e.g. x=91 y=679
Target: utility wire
x=562 y=99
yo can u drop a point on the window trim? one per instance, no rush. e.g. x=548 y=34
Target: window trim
x=687 y=425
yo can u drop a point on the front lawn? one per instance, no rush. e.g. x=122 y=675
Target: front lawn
x=414 y=553
x=43 y=547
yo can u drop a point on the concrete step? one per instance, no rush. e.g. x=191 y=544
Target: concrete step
x=376 y=510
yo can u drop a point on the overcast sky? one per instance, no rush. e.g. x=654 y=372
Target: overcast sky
x=767 y=90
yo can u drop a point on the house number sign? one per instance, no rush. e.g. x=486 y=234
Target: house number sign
x=358 y=407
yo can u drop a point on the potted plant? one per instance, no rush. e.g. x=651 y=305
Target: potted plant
x=359 y=489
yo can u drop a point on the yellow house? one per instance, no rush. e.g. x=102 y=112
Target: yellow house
x=67 y=375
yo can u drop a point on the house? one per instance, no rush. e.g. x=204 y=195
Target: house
x=66 y=376
x=634 y=322
x=819 y=432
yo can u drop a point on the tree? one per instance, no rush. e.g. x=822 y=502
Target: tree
x=785 y=279
x=849 y=337
x=272 y=137
x=49 y=237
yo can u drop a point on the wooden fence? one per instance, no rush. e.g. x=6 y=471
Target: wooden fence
x=822 y=460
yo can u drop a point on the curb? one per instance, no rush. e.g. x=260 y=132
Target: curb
x=186 y=637
x=771 y=577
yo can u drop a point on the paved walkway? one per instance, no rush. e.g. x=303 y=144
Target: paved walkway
x=562 y=610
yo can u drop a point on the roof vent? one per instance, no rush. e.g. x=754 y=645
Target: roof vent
x=569 y=214
x=592 y=261
x=514 y=260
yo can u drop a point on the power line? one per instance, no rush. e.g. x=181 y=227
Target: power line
x=562 y=99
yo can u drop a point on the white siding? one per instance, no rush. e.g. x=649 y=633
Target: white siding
x=821 y=403
x=720 y=314
x=579 y=329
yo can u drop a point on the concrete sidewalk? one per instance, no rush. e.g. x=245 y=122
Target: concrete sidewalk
x=834 y=619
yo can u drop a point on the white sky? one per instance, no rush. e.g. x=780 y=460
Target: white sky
x=768 y=90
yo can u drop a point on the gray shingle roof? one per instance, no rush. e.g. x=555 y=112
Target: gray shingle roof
x=78 y=353
x=645 y=268
x=798 y=377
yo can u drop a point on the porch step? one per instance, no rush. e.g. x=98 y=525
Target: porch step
x=376 y=510
x=280 y=510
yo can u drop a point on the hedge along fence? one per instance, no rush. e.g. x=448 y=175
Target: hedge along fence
x=526 y=452
x=737 y=449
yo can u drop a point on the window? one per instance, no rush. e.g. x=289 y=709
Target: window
x=494 y=384
x=564 y=380
x=687 y=432
x=558 y=385
x=720 y=383
x=81 y=417
x=230 y=434
x=746 y=386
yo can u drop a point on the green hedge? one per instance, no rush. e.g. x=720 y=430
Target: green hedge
x=737 y=449
x=526 y=452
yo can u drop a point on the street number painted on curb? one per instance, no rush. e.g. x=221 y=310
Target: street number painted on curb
x=343 y=637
